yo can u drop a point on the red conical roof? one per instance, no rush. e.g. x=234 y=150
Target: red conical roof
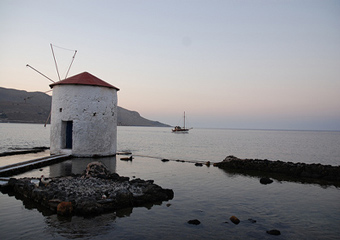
x=84 y=78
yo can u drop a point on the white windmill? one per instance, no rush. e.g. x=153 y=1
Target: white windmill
x=83 y=115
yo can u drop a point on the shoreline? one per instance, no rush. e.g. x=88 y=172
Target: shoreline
x=283 y=171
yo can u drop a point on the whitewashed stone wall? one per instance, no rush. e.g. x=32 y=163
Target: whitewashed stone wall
x=93 y=110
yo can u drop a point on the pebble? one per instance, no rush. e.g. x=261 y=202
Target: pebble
x=194 y=222
x=252 y=220
x=235 y=220
x=274 y=232
x=265 y=180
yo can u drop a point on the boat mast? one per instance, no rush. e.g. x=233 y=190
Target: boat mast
x=184 y=120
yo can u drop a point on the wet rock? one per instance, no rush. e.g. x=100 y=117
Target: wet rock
x=64 y=208
x=88 y=206
x=274 y=232
x=96 y=169
x=234 y=219
x=95 y=192
x=252 y=220
x=265 y=180
x=194 y=222
x=294 y=170
x=198 y=164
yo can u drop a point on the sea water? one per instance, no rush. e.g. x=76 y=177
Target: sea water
x=209 y=194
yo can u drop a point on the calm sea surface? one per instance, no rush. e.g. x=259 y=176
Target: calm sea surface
x=209 y=194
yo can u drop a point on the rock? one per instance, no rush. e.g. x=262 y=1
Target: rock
x=274 y=232
x=252 y=220
x=124 y=195
x=96 y=169
x=207 y=163
x=95 y=192
x=311 y=172
x=230 y=158
x=165 y=160
x=88 y=206
x=194 y=222
x=198 y=164
x=234 y=219
x=53 y=203
x=65 y=208
x=265 y=180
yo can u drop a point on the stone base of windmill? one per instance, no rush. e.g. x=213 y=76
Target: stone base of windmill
x=95 y=192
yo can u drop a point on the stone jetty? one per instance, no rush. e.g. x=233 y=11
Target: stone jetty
x=18 y=151
x=94 y=192
x=318 y=173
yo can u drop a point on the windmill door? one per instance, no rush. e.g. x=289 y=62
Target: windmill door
x=69 y=130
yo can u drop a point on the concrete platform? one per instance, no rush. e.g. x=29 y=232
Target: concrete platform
x=25 y=166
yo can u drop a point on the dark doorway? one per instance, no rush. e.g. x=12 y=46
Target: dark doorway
x=69 y=128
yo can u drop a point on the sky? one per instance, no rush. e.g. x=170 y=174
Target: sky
x=253 y=64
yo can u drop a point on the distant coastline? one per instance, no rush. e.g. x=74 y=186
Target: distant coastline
x=18 y=106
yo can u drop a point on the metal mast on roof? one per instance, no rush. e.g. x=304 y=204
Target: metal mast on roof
x=75 y=52
x=56 y=65
x=55 y=61
x=27 y=65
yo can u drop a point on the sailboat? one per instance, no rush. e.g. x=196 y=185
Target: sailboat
x=179 y=129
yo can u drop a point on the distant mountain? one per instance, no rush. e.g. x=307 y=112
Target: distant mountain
x=24 y=107
x=133 y=118
x=34 y=107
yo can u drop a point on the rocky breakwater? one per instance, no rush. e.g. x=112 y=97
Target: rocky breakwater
x=94 y=192
x=318 y=173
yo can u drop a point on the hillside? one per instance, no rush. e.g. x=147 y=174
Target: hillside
x=34 y=107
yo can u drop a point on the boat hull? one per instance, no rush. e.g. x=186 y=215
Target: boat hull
x=180 y=130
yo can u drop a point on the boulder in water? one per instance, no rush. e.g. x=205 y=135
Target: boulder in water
x=266 y=180
x=235 y=220
x=274 y=232
x=194 y=222
x=65 y=208
x=96 y=169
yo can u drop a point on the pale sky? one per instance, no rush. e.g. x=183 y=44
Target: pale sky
x=262 y=64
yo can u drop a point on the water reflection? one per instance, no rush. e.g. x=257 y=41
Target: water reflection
x=30 y=204
x=74 y=227
x=78 y=166
x=280 y=177
x=80 y=227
